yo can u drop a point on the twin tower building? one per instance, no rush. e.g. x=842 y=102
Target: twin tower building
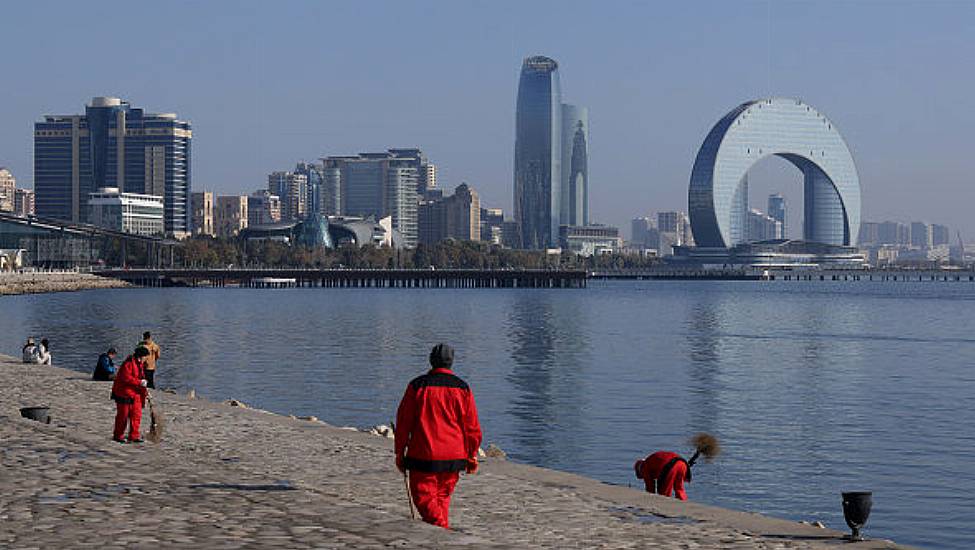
x=551 y=187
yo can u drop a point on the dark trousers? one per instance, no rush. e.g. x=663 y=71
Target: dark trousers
x=151 y=378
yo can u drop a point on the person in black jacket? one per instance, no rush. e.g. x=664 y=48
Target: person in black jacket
x=105 y=369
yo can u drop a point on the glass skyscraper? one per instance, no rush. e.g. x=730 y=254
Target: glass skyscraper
x=575 y=165
x=551 y=185
x=538 y=153
x=112 y=145
x=790 y=129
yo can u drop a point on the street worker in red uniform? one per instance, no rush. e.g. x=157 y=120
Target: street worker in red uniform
x=437 y=436
x=129 y=393
x=664 y=473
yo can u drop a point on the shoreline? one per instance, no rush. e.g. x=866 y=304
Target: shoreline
x=307 y=483
x=14 y=284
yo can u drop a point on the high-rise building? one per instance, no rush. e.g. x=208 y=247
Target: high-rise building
x=455 y=217
x=921 y=236
x=112 y=145
x=24 y=202
x=538 y=153
x=776 y=209
x=292 y=188
x=315 y=177
x=263 y=208
x=126 y=212
x=203 y=213
x=332 y=187
x=640 y=232
x=762 y=227
x=575 y=166
x=379 y=185
x=426 y=172
x=893 y=233
x=230 y=216
x=673 y=229
x=492 y=225
x=940 y=235
x=869 y=233
x=8 y=190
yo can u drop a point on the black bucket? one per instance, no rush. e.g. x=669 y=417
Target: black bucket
x=36 y=413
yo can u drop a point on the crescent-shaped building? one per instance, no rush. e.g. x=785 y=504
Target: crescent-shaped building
x=788 y=128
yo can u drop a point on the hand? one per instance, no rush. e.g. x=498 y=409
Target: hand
x=471 y=465
x=144 y=383
x=400 y=465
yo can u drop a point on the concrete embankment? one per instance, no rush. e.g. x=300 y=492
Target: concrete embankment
x=58 y=281
x=226 y=477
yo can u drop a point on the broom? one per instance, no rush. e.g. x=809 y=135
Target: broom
x=406 y=481
x=155 y=422
x=704 y=444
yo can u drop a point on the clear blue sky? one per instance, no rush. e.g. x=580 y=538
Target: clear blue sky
x=266 y=84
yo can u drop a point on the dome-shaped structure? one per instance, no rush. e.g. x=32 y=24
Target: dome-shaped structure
x=788 y=128
x=313 y=232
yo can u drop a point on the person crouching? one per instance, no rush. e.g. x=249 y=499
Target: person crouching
x=664 y=472
x=129 y=393
x=437 y=436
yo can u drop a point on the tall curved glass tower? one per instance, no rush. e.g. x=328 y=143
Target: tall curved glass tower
x=538 y=153
x=575 y=165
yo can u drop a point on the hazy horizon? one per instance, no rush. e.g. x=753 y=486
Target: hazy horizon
x=266 y=85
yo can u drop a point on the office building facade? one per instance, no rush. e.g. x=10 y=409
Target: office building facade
x=8 y=190
x=230 y=215
x=538 y=153
x=113 y=145
x=23 y=202
x=575 y=166
x=263 y=208
x=762 y=227
x=492 y=225
x=776 y=209
x=202 y=205
x=590 y=240
x=378 y=185
x=127 y=212
x=292 y=189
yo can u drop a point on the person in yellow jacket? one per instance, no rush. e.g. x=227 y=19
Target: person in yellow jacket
x=154 y=352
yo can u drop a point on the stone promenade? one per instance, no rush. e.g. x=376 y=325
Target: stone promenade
x=228 y=477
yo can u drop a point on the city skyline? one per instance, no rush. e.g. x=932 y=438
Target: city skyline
x=650 y=90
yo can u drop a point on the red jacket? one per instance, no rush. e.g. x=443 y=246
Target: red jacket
x=128 y=380
x=436 y=424
x=664 y=472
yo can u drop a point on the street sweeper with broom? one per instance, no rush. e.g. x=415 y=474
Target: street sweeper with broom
x=437 y=436
x=129 y=393
x=664 y=472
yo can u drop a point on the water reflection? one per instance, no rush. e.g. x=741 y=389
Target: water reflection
x=548 y=354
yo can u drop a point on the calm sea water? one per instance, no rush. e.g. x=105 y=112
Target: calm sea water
x=813 y=388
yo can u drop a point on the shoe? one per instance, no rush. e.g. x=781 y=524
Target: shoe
x=118 y=440
x=140 y=440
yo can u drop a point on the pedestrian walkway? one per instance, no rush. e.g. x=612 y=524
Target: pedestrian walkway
x=225 y=477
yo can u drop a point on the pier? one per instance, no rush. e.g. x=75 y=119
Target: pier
x=758 y=274
x=352 y=278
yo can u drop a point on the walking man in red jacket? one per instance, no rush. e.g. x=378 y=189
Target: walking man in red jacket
x=664 y=473
x=129 y=393
x=437 y=436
